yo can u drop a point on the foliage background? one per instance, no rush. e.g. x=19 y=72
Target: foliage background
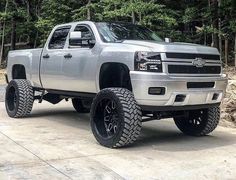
x=27 y=23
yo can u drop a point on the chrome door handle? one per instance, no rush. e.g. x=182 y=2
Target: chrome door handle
x=68 y=56
x=46 y=56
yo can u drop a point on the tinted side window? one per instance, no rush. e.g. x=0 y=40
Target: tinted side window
x=59 y=38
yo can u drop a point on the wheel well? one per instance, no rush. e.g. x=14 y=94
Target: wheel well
x=18 y=72
x=114 y=75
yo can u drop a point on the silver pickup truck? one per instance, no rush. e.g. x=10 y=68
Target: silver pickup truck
x=123 y=74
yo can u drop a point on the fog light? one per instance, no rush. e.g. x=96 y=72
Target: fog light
x=180 y=98
x=215 y=96
x=156 y=91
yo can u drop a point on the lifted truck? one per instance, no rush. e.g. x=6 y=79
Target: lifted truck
x=123 y=74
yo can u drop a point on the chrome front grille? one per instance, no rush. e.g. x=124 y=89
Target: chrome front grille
x=190 y=63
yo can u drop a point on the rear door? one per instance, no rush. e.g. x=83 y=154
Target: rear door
x=52 y=59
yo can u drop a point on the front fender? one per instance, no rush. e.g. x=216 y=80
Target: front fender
x=111 y=55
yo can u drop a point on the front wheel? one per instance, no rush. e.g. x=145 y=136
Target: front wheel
x=199 y=122
x=115 y=117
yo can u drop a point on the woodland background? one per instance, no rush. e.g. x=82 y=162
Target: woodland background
x=27 y=23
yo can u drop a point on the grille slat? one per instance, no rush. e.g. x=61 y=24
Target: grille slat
x=192 y=56
x=185 y=69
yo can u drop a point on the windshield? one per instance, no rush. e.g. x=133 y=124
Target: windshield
x=118 y=32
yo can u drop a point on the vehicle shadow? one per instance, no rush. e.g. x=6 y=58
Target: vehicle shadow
x=68 y=117
x=161 y=135
x=169 y=138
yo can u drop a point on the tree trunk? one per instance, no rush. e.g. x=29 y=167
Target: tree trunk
x=220 y=44
x=2 y=43
x=226 y=51
x=140 y=17
x=205 y=38
x=133 y=17
x=133 y=13
x=213 y=5
x=219 y=26
x=212 y=34
x=3 y=35
x=89 y=10
x=32 y=17
x=13 y=34
x=36 y=39
x=116 y=18
x=215 y=24
x=235 y=49
x=205 y=34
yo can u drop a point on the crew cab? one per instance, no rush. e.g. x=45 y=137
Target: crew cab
x=123 y=74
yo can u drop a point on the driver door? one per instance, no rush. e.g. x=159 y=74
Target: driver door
x=80 y=61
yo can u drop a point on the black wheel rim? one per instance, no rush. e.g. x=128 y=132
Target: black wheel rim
x=197 y=118
x=107 y=118
x=12 y=98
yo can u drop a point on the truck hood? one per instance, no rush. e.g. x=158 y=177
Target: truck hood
x=174 y=47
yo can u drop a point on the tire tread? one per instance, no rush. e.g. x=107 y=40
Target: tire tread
x=211 y=122
x=26 y=98
x=132 y=116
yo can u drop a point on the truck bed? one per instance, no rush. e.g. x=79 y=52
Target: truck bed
x=30 y=58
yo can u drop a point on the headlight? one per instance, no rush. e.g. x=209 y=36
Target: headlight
x=147 y=61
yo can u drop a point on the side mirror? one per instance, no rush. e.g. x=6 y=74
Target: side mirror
x=168 y=40
x=75 y=35
x=76 y=40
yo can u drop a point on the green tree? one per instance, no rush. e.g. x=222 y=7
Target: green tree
x=27 y=23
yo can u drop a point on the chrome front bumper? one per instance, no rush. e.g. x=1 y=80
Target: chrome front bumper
x=175 y=85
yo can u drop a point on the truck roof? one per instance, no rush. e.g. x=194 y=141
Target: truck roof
x=90 y=22
x=75 y=23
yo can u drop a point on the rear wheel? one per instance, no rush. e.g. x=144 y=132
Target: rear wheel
x=19 y=98
x=115 y=117
x=79 y=106
x=199 y=122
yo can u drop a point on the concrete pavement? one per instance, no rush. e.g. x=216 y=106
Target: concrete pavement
x=2 y=92
x=56 y=143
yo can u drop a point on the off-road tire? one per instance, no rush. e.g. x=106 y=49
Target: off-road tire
x=209 y=122
x=79 y=107
x=129 y=117
x=19 y=98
